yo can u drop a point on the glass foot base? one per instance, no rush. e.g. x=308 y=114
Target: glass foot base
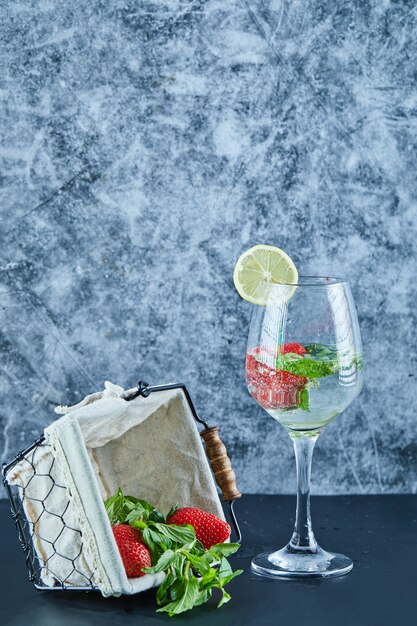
x=286 y=563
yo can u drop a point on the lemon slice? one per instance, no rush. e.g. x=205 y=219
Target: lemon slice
x=261 y=266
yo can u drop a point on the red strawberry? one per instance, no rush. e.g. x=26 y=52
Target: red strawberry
x=262 y=373
x=273 y=388
x=209 y=529
x=296 y=348
x=134 y=553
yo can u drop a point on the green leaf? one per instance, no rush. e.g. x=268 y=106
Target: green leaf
x=141 y=505
x=138 y=513
x=180 y=563
x=114 y=506
x=210 y=557
x=226 y=579
x=177 y=589
x=198 y=547
x=291 y=356
x=304 y=399
x=321 y=350
x=162 y=593
x=224 y=549
x=225 y=568
x=331 y=353
x=188 y=593
x=138 y=523
x=127 y=509
x=173 y=533
x=164 y=561
x=176 y=552
x=198 y=563
x=203 y=596
x=308 y=367
x=225 y=598
x=208 y=577
x=149 y=534
x=172 y=510
x=359 y=362
x=183 y=590
x=154 y=545
x=156 y=516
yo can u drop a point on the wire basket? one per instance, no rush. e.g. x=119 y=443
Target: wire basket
x=28 y=529
x=68 y=545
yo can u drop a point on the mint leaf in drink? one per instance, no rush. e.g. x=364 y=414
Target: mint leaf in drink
x=304 y=399
x=321 y=351
x=289 y=357
x=306 y=366
x=331 y=353
x=359 y=362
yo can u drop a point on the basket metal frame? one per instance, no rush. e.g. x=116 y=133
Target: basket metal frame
x=143 y=389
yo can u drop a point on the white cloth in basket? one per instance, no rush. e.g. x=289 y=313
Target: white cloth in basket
x=150 y=447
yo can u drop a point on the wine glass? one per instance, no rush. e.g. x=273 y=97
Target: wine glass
x=304 y=366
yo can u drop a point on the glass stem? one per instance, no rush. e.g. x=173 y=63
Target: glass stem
x=303 y=539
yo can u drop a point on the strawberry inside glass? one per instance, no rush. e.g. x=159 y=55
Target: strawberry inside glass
x=270 y=386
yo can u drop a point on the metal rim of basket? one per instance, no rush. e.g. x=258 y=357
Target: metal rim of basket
x=143 y=389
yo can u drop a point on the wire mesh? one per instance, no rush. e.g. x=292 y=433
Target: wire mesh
x=41 y=508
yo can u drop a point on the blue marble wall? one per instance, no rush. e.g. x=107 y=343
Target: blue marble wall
x=144 y=146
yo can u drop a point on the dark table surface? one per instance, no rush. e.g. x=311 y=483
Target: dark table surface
x=378 y=532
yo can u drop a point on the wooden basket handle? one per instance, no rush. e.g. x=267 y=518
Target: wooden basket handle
x=220 y=463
